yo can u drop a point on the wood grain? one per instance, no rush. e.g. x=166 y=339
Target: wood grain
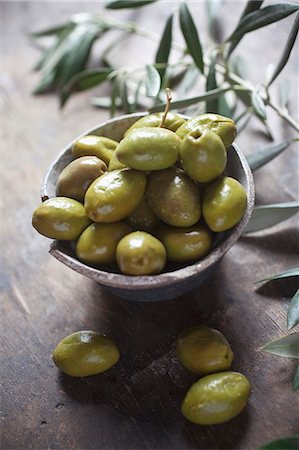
x=136 y=405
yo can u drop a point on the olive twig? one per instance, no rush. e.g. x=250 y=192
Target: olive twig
x=167 y=107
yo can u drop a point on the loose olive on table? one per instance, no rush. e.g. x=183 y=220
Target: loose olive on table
x=216 y=398
x=85 y=353
x=166 y=178
x=203 y=350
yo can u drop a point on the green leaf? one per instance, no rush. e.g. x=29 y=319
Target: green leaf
x=153 y=81
x=49 y=31
x=212 y=105
x=287 y=50
x=269 y=215
x=82 y=81
x=191 y=36
x=164 y=48
x=296 y=387
x=70 y=57
x=251 y=5
x=122 y=4
x=287 y=346
x=213 y=10
x=188 y=81
x=214 y=93
x=263 y=156
x=287 y=274
x=283 y=93
x=293 y=311
x=258 y=105
x=125 y=96
x=136 y=95
x=287 y=443
x=243 y=122
x=262 y=17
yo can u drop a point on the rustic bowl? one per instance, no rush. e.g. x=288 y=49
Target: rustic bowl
x=177 y=280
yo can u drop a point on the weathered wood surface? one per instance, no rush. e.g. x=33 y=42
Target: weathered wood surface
x=136 y=404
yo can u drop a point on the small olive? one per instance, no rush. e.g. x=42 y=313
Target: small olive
x=223 y=126
x=60 y=218
x=149 y=148
x=224 y=203
x=203 y=155
x=143 y=218
x=97 y=244
x=185 y=244
x=77 y=176
x=114 y=195
x=85 y=353
x=216 y=398
x=140 y=253
x=174 y=197
x=93 y=145
x=203 y=350
x=173 y=121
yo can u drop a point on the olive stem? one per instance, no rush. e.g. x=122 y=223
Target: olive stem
x=167 y=107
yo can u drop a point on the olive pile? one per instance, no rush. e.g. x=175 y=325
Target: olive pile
x=217 y=397
x=157 y=195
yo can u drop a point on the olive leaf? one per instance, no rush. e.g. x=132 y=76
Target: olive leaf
x=188 y=81
x=287 y=346
x=262 y=17
x=122 y=4
x=258 y=105
x=164 y=48
x=82 y=81
x=286 y=443
x=288 y=273
x=153 y=81
x=296 y=387
x=293 y=311
x=283 y=93
x=213 y=12
x=251 y=5
x=69 y=57
x=267 y=216
x=263 y=156
x=287 y=50
x=243 y=122
x=49 y=31
x=213 y=104
x=191 y=36
x=214 y=93
x=126 y=105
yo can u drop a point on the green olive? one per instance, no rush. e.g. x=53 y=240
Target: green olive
x=93 y=145
x=140 y=253
x=173 y=197
x=223 y=126
x=224 y=203
x=97 y=244
x=115 y=164
x=203 y=155
x=173 y=121
x=114 y=195
x=75 y=178
x=216 y=398
x=203 y=350
x=60 y=218
x=143 y=218
x=149 y=148
x=185 y=244
x=85 y=353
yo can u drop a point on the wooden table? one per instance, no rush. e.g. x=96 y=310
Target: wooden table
x=136 y=405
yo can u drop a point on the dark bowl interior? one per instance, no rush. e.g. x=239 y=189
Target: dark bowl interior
x=176 y=279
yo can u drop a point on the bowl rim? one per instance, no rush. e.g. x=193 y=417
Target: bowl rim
x=122 y=281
